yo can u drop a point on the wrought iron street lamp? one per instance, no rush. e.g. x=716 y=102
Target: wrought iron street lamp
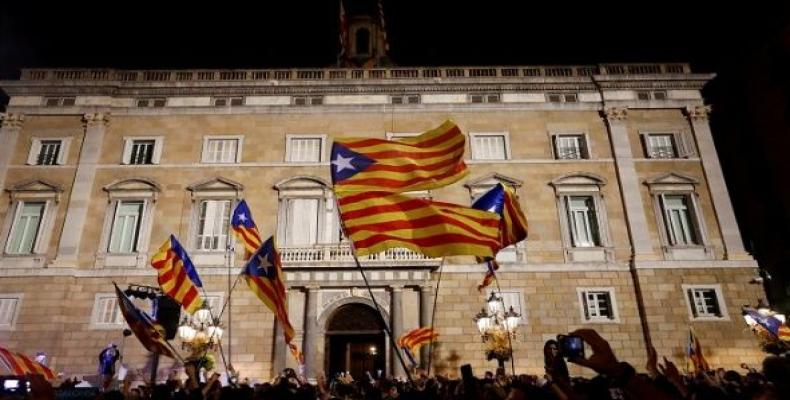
x=497 y=328
x=200 y=333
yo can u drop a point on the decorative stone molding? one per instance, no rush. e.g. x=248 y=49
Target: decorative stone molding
x=133 y=187
x=35 y=188
x=216 y=187
x=615 y=113
x=12 y=120
x=329 y=299
x=93 y=119
x=698 y=113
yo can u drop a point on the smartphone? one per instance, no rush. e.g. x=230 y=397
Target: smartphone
x=466 y=373
x=15 y=385
x=571 y=346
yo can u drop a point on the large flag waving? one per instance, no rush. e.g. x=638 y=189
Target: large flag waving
x=502 y=200
x=264 y=275
x=177 y=276
x=150 y=334
x=411 y=341
x=428 y=161
x=245 y=228
x=770 y=323
x=20 y=364
x=376 y=221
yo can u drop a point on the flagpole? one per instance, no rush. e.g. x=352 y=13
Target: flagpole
x=509 y=340
x=433 y=314
x=385 y=325
x=230 y=253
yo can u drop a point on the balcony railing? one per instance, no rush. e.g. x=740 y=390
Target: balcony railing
x=327 y=74
x=341 y=253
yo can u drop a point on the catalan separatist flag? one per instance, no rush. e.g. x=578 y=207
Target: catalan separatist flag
x=150 y=334
x=411 y=341
x=770 y=323
x=376 y=221
x=264 y=275
x=20 y=364
x=695 y=353
x=245 y=228
x=177 y=276
x=502 y=200
x=428 y=161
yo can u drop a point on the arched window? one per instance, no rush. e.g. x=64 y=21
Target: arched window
x=363 y=41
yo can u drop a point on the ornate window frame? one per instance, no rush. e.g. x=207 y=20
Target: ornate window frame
x=309 y=187
x=583 y=184
x=128 y=189
x=33 y=190
x=217 y=188
x=674 y=183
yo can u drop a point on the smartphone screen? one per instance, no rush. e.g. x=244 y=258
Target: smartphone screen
x=11 y=384
x=571 y=346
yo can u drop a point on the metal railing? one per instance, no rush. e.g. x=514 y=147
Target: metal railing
x=341 y=252
x=350 y=73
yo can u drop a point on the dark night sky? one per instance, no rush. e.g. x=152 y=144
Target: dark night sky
x=304 y=33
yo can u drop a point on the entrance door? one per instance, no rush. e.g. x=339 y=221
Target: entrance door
x=355 y=342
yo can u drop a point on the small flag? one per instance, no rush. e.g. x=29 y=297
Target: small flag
x=770 y=323
x=383 y=28
x=177 y=276
x=428 y=161
x=148 y=332
x=695 y=353
x=20 y=364
x=264 y=275
x=492 y=267
x=411 y=341
x=376 y=221
x=245 y=228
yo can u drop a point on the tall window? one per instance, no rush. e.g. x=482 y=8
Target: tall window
x=26 y=227
x=126 y=226
x=678 y=220
x=142 y=152
x=304 y=149
x=213 y=222
x=489 y=147
x=570 y=147
x=221 y=150
x=301 y=221
x=9 y=305
x=661 y=145
x=583 y=221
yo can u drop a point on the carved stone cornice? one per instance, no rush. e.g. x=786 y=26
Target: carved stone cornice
x=96 y=119
x=615 y=113
x=12 y=120
x=698 y=113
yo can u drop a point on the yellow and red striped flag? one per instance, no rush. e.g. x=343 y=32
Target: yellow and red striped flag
x=411 y=341
x=245 y=228
x=264 y=275
x=20 y=364
x=177 y=276
x=428 y=161
x=376 y=221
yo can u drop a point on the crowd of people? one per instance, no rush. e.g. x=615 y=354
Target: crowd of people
x=615 y=380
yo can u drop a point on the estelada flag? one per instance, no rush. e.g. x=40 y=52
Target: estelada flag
x=20 y=364
x=150 y=334
x=177 y=276
x=431 y=160
x=376 y=221
x=245 y=228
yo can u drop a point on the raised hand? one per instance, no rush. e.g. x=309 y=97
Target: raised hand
x=602 y=359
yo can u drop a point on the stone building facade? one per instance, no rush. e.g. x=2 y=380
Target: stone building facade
x=631 y=230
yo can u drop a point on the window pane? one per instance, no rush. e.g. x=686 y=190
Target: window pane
x=661 y=146
x=489 y=147
x=302 y=222
x=7 y=310
x=212 y=225
x=305 y=150
x=48 y=154
x=26 y=228
x=583 y=223
x=126 y=227
x=142 y=152
x=678 y=220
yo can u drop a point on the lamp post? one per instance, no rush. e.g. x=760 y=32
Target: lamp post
x=497 y=328
x=769 y=326
x=200 y=334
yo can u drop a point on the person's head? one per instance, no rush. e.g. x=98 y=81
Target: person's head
x=550 y=350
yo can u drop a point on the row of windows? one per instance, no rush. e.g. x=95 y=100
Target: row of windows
x=304 y=218
x=705 y=302
x=306 y=148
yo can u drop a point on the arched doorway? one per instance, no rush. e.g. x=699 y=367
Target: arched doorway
x=355 y=341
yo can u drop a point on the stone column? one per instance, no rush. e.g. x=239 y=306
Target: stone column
x=426 y=309
x=630 y=188
x=396 y=327
x=70 y=239
x=9 y=136
x=278 y=363
x=310 y=347
x=725 y=216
